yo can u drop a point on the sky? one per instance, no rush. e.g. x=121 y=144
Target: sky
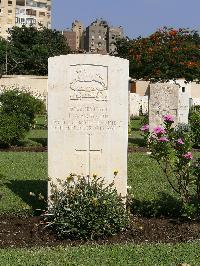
x=137 y=17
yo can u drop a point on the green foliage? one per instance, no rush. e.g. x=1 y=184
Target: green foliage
x=194 y=120
x=12 y=129
x=28 y=50
x=86 y=208
x=174 y=157
x=166 y=54
x=17 y=115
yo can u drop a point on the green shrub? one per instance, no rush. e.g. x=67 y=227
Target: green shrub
x=15 y=101
x=87 y=209
x=18 y=110
x=12 y=129
x=194 y=119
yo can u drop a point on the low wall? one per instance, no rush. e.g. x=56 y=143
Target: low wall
x=38 y=85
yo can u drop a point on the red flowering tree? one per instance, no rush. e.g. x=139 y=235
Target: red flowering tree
x=166 y=54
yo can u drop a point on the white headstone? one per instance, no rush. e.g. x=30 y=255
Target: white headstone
x=88 y=117
x=168 y=98
x=134 y=104
x=145 y=104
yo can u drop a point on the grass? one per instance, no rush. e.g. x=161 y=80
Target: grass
x=20 y=174
x=137 y=255
x=25 y=172
x=135 y=138
x=38 y=135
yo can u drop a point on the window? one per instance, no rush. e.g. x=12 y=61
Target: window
x=9 y=11
x=31 y=12
x=183 y=89
x=9 y=21
x=41 y=14
x=10 y=3
x=20 y=2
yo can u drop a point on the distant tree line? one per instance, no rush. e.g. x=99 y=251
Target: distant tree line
x=27 y=50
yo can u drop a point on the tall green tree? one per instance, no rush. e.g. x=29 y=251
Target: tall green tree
x=29 y=49
x=166 y=54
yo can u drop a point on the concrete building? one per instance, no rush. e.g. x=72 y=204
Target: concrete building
x=96 y=37
x=70 y=37
x=78 y=28
x=24 y=12
x=114 y=33
x=101 y=38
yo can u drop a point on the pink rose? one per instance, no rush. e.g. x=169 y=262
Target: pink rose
x=144 y=128
x=163 y=139
x=188 y=155
x=180 y=141
x=159 y=130
x=168 y=118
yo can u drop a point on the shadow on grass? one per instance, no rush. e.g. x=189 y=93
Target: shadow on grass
x=164 y=206
x=137 y=142
x=23 y=188
x=42 y=141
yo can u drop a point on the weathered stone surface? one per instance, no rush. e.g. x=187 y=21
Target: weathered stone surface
x=168 y=98
x=88 y=117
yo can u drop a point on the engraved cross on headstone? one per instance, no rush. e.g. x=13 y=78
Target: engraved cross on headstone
x=89 y=151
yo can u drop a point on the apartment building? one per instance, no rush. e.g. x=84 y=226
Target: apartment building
x=78 y=28
x=96 y=37
x=101 y=38
x=24 y=12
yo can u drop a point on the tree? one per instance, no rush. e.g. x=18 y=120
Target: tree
x=166 y=54
x=3 y=54
x=29 y=49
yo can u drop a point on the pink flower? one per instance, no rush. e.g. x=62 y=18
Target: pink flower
x=168 y=118
x=144 y=128
x=188 y=155
x=159 y=130
x=163 y=139
x=180 y=141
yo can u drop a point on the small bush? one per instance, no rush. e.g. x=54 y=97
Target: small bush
x=12 y=129
x=194 y=119
x=87 y=209
x=15 y=101
x=18 y=110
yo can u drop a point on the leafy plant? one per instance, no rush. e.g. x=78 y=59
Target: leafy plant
x=84 y=207
x=166 y=54
x=18 y=110
x=194 y=120
x=174 y=157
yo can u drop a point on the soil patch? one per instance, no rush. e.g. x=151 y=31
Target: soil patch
x=30 y=232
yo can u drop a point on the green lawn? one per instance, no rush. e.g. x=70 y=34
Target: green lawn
x=136 y=255
x=20 y=174
x=25 y=172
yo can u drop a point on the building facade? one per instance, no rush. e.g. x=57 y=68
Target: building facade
x=96 y=37
x=78 y=28
x=101 y=38
x=24 y=12
x=70 y=38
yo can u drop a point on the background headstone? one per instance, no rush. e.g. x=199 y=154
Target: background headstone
x=134 y=104
x=88 y=117
x=168 y=98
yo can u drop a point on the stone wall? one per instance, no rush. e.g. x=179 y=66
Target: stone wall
x=35 y=84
